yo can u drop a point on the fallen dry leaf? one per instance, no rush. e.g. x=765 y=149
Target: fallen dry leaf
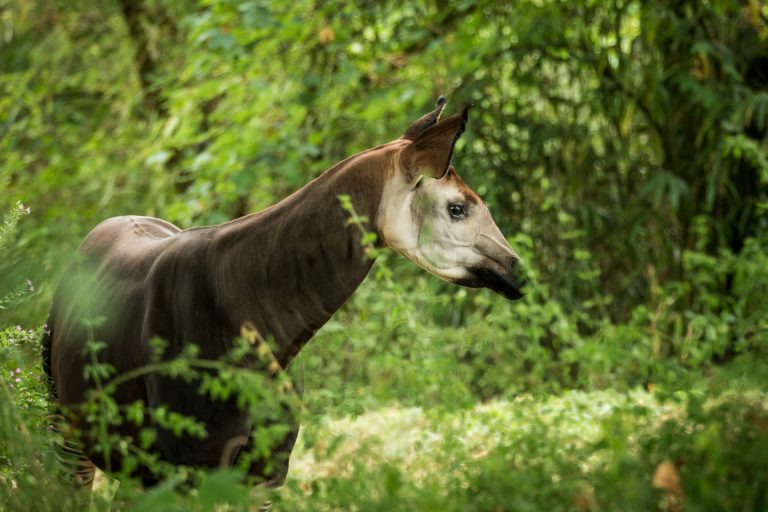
x=326 y=35
x=667 y=478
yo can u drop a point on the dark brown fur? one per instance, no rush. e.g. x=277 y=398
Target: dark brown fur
x=284 y=270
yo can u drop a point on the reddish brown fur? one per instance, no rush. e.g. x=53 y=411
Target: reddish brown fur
x=462 y=187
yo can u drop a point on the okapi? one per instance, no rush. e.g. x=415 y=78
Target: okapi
x=284 y=271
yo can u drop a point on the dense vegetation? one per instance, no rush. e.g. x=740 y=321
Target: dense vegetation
x=621 y=145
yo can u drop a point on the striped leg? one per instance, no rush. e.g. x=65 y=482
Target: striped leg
x=69 y=454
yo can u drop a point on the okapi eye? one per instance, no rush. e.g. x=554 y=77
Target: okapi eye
x=456 y=211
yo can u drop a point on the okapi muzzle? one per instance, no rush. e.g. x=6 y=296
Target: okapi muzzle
x=500 y=270
x=283 y=271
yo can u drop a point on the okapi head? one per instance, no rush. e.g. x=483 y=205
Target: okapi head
x=430 y=216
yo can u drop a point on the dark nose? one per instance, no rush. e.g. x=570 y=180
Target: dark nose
x=510 y=281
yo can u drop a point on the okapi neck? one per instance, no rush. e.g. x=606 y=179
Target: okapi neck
x=289 y=268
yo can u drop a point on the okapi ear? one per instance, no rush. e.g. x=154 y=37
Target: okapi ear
x=430 y=152
x=425 y=121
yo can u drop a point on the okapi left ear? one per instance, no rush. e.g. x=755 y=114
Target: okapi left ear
x=425 y=121
x=430 y=152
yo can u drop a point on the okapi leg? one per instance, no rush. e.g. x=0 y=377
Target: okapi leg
x=271 y=472
x=69 y=453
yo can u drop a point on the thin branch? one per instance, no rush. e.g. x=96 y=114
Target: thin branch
x=133 y=11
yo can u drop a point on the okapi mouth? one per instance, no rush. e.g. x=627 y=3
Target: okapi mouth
x=507 y=285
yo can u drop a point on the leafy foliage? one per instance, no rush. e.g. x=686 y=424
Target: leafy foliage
x=622 y=146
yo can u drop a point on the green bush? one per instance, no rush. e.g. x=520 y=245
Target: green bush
x=598 y=450
x=621 y=146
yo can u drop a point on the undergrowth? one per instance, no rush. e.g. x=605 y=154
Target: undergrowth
x=426 y=398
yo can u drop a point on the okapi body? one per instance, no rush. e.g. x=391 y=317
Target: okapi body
x=284 y=270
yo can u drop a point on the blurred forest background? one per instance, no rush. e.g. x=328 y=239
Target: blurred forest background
x=621 y=145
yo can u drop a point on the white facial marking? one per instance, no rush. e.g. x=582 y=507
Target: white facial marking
x=414 y=220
